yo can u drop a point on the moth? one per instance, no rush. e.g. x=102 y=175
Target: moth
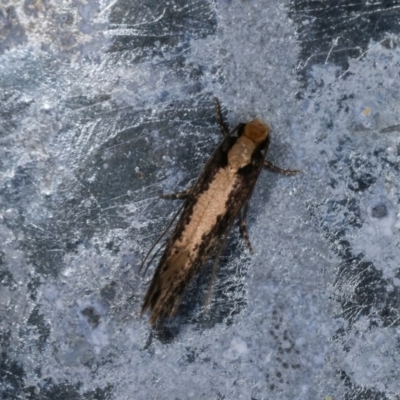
x=211 y=205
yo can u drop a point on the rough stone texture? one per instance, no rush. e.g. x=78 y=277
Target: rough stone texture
x=106 y=104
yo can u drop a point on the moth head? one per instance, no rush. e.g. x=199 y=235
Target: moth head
x=256 y=130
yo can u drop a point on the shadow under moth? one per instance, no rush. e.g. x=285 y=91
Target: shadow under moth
x=210 y=207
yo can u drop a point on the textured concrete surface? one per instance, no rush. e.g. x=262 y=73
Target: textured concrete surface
x=106 y=104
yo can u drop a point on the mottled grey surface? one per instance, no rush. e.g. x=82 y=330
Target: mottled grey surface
x=106 y=104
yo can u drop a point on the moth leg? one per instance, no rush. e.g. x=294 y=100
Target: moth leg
x=176 y=196
x=222 y=125
x=243 y=228
x=273 y=168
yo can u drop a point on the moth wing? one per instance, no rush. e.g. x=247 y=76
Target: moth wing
x=174 y=272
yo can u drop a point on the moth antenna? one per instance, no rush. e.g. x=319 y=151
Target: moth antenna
x=158 y=239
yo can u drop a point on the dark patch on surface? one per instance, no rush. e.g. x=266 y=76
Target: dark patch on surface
x=356 y=392
x=339 y=30
x=19 y=188
x=167 y=331
x=92 y=316
x=379 y=211
x=65 y=19
x=32 y=7
x=12 y=32
x=190 y=356
x=99 y=393
x=37 y=320
x=11 y=377
x=287 y=356
x=32 y=287
x=14 y=108
x=343 y=103
x=7 y=279
x=108 y=292
x=368 y=295
x=66 y=391
x=67 y=40
x=361 y=167
x=44 y=246
x=154 y=27
x=362 y=181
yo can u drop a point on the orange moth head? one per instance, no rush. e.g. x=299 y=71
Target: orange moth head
x=256 y=130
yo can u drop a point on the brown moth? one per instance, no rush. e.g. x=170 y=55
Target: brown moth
x=209 y=210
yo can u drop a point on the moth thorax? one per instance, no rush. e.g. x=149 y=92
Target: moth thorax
x=240 y=154
x=256 y=130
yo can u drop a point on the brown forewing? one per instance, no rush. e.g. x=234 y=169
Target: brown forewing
x=163 y=295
